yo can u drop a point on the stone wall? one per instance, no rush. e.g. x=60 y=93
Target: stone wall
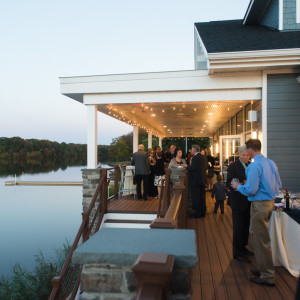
x=91 y=178
x=107 y=282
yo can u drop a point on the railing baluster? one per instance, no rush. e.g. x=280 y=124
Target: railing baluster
x=116 y=179
x=84 y=233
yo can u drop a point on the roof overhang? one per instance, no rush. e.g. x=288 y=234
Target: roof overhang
x=182 y=103
x=254 y=60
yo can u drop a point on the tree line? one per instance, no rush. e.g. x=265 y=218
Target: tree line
x=16 y=148
x=20 y=150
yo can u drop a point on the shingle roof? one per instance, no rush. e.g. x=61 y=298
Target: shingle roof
x=232 y=36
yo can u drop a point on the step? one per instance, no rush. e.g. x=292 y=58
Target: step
x=130 y=216
x=126 y=223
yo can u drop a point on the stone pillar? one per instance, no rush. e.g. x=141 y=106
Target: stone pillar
x=160 y=142
x=107 y=261
x=91 y=178
x=108 y=281
x=135 y=139
x=149 y=140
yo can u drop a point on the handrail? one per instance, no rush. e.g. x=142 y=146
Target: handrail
x=175 y=216
x=164 y=201
x=84 y=233
x=174 y=206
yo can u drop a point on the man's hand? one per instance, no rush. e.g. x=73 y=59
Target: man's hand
x=234 y=184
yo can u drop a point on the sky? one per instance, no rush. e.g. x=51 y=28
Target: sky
x=44 y=40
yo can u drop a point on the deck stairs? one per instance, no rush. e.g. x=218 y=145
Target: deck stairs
x=128 y=220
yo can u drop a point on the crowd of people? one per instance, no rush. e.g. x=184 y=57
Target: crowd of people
x=150 y=169
x=250 y=187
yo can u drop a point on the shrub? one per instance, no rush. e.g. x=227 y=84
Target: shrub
x=35 y=285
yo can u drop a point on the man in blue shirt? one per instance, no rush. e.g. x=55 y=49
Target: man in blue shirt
x=262 y=186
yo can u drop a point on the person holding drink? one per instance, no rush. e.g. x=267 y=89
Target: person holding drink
x=262 y=186
x=240 y=206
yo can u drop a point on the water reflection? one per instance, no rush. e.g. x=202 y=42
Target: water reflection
x=37 y=166
x=36 y=218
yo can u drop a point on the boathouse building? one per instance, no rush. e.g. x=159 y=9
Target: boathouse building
x=246 y=83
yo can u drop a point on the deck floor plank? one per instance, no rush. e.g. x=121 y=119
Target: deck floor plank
x=217 y=275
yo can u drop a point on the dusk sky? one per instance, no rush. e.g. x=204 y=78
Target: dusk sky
x=44 y=40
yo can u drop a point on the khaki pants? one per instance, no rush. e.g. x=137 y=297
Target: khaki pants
x=260 y=217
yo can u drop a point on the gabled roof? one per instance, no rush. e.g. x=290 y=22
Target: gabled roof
x=232 y=36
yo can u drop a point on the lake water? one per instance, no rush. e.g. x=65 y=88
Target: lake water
x=34 y=218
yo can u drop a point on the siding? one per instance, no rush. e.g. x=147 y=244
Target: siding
x=271 y=16
x=283 y=121
x=289 y=15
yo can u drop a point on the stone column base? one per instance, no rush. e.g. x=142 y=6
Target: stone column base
x=111 y=282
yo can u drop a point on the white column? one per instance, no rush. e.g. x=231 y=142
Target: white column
x=135 y=145
x=264 y=114
x=160 y=142
x=92 y=149
x=149 y=140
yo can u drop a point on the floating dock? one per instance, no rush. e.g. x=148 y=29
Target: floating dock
x=45 y=183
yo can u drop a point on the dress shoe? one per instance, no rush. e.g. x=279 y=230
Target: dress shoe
x=247 y=252
x=242 y=259
x=261 y=281
x=255 y=273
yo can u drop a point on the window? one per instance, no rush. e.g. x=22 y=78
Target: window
x=239 y=122
x=233 y=125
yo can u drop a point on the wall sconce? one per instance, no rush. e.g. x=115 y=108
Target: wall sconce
x=252 y=115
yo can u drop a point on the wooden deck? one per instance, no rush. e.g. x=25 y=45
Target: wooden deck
x=128 y=204
x=217 y=275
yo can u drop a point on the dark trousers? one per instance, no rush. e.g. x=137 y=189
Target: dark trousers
x=198 y=200
x=217 y=204
x=240 y=224
x=152 y=190
x=139 y=179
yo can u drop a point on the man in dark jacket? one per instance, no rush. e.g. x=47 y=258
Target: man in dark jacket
x=197 y=181
x=142 y=167
x=240 y=206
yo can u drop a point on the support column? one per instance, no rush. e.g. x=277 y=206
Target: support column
x=149 y=140
x=160 y=142
x=135 y=145
x=92 y=149
x=264 y=115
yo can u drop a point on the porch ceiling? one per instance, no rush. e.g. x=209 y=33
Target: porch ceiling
x=176 y=119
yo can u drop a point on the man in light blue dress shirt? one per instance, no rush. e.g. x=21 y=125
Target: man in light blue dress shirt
x=262 y=186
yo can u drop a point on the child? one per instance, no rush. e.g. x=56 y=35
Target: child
x=220 y=190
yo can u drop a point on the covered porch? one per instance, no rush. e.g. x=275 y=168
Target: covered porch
x=175 y=104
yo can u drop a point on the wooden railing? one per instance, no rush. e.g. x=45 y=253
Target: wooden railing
x=65 y=286
x=172 y=214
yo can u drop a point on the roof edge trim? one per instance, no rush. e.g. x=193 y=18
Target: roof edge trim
x=248 y=11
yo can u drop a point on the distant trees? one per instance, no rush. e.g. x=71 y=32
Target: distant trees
x=20 y=150
x=16 y=148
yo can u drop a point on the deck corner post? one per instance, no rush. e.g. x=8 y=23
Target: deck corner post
x=153 y=271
